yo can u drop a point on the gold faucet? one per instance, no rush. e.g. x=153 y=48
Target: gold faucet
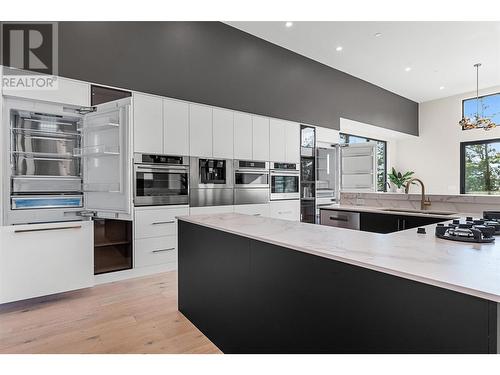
x=424 y=201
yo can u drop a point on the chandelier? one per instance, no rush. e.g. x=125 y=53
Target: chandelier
x=477 y=122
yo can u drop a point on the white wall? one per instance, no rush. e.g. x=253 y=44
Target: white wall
x=435 y=154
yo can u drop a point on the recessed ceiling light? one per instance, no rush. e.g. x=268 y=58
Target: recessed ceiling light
x=441 y=87
x=339 y=48
x=377 y=35
x=289 y=24
x=408 y=68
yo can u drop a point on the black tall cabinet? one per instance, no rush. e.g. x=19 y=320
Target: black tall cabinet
x=307 y=174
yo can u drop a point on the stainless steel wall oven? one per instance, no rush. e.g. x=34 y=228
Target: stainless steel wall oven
x=285 y=181
x=161 y=180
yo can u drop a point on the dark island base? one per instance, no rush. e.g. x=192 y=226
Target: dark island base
x=248 y=296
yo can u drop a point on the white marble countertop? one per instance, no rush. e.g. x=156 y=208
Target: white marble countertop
x=468 y=268
x=394 y=211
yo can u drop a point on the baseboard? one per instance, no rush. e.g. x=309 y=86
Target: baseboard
x=133 y=273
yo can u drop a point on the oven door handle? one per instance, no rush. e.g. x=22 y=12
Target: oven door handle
x=294 y=173
x=253 y=171
x=164 y=169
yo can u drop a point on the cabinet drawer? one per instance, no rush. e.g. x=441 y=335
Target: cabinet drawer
x=154 y=251
x=42 y=259
x=286 y=210
x=157 y=222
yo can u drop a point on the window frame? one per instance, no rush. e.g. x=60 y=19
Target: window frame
x=479 y=97
x=463 y=145
x=374 y=140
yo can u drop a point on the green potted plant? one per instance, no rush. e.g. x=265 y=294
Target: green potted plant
x=399 y=180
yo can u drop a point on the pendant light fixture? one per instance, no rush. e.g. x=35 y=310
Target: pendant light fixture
x=477 y=122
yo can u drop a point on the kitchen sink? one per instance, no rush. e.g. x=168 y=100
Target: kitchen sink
x=428 y=212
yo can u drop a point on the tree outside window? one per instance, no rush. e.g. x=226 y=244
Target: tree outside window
x=480 y=167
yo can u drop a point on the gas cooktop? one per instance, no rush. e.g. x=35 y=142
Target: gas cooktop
x=472 y=230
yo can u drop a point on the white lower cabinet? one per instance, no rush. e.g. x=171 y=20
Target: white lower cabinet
x=157 y=222
x=253 y=209
x=211 y=210
x=286 y=210
x=155 y=251
x=42 y=259
x=155 y=235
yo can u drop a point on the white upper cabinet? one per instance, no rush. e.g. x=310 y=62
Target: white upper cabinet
x=200 y=130
x=277 y=140
x=292 y=142
x=67 y=91
x=260 y=138
x=284 y=139
x=326 y=135
x=222 y=137
x=148 y=124
x=243 y=136
x=175 y=127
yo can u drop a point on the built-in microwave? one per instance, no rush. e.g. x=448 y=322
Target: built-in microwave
x=285 y=179
x=161 y=180
x=251 y=182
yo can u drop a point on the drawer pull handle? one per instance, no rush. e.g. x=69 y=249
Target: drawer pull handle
x=161 y=250
x=340 y=218
x=256 y=214
x=46 y=229
x=163 y=222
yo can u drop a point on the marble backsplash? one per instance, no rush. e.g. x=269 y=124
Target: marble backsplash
x=473 y=204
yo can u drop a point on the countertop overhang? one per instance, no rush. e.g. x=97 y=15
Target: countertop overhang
x=468 y=268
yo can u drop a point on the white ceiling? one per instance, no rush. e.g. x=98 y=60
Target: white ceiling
x=439 y=53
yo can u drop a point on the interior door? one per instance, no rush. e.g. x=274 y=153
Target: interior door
x=107 y=159
x=358 y=167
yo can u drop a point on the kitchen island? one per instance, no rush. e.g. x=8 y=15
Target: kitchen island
x=262 y=285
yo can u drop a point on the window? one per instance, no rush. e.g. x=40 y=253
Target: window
x=489 y=107
x=381 y=156
x=480 y=167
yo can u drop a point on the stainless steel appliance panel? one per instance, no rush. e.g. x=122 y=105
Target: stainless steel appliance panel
x=45 y=123
x=251 y=196
x=251 y=179
x=46 y=184
x=340 y=219
x=211 y=197
x=33 y=143
x=26 y=165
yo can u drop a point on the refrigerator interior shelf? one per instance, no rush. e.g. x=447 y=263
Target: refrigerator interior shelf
x=44 y=155
x=100 y=125
x=97 y=151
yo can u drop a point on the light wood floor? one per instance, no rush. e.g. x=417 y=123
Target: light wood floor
x=132 y=316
